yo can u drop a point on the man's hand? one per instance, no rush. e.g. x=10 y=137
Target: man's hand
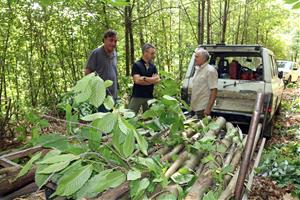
x=142 y=80
x=207 y=112
x=155 y=78
x=87 y=71
x=211 y=101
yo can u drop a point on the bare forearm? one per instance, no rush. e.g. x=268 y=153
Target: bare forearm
x=212 y=98
x=87 y=71
x=141 y=81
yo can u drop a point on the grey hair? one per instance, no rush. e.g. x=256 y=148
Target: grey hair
x=203 y=52
x=147 y=46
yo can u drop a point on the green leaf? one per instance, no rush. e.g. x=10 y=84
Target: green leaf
x=98 y=92
x=109 y=102
x=210 y=196
x=184 y=170
x=133 y=175
x=143 y=144
x=29 y=164
x=94 y=138
x=124 y=126
x=100 y=182
x=94 y=186
x=115 y=179
x=207 y=159
x=118 y=2
x=108 y=83
x=181 y=178
x=150 y=163
x=60 y=158
x=290 y=1
x=93 y=117
x=40 y=179
x=167 y=97
x=68 y=110
x=296 y=6
x=137 y=187
x=128 y=146
x=221 y=148
x=168 y=197
x=56 y=167
x=71 y=182
x=106 y=123
x=52 y=141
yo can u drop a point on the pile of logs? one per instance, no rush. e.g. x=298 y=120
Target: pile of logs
x=223 y=131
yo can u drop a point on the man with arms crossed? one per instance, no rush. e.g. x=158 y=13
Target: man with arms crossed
x=145 y=76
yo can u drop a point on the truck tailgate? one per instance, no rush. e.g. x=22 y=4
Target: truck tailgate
x=242 y=101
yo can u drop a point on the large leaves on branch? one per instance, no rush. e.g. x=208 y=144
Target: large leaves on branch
x=90 y=88
x=100 y=182
x=71 y=182
x=106 y=123
x=29 y=164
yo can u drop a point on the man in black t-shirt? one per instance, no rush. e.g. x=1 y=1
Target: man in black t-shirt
x=145 y=76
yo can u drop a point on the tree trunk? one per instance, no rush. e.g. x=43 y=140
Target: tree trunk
x=238 y=25
x=127 y=40
x=140 y=24
x=224 y=22
x=208 y=25
x=180 y=44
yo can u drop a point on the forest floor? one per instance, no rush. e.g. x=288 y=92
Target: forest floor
x=263 y=188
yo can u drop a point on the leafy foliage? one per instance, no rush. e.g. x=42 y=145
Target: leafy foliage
x=282 y=163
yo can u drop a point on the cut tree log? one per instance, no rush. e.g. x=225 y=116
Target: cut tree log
x=177 y=164
x=115 y=193
x=206 y=179
x=220 y=122
x=9 y=185
x=229 y=191
x=235 y=161
x=32 y=187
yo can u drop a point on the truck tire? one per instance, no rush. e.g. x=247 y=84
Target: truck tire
x=269 y=128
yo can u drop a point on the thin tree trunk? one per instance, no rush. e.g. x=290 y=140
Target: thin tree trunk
x=180 y=44
x=244 y=33
x=238 y=25
x=199 y=22
x=127 y=42
x=208 y=25
x=132 y=58
x=140 y=24
x=224 y=23
x=106 y=20
x=202 y=21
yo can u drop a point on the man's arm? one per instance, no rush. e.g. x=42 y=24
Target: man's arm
x=211 y=101
x=144 y=80
x=87 y=71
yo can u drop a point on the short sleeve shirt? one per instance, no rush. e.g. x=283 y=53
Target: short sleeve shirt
x=205 y=79
x=106 y=67
x=143 y=91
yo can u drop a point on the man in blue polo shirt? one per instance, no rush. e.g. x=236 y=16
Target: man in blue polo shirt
x=145 y=76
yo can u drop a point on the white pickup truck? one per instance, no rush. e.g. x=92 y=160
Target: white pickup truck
x=243 y=70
